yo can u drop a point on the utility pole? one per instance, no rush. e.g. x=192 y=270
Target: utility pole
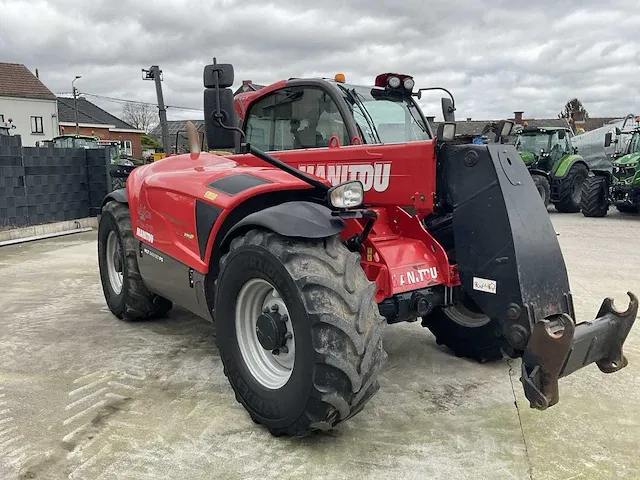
x=75 y=102
x=154 y=73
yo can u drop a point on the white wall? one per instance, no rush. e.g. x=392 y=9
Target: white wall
x=20 y=110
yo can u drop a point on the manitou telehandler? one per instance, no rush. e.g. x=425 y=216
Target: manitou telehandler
x=358 y=217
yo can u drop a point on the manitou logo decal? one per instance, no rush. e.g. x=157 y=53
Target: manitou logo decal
x=418 y=276
x=374 y=176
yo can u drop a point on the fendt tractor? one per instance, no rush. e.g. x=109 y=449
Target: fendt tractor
x=557 y=171
x=338 y=213
x=620 y=186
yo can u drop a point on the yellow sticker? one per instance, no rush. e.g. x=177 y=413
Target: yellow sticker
x=210 y=195
x=189 y=235
x=369 y=254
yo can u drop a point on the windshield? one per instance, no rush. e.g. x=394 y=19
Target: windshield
x=384 y=118
x=634 y=143
x=533 y=142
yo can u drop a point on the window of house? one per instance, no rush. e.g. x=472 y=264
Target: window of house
x=292 y=118
x=127 y=147
x=36 y=125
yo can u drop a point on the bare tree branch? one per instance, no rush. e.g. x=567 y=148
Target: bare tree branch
x=140 y=115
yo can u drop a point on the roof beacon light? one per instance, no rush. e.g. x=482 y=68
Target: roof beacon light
x=340 y=78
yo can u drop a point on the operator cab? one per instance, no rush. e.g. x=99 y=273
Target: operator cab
x=316 y=113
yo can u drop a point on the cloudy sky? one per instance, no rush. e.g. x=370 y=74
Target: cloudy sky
x=496 y=56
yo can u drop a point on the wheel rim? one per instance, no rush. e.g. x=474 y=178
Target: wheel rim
x=270 y=370
x=463 y=315
x=114 y=262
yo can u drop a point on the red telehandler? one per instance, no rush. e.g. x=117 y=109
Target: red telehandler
x=339 y=213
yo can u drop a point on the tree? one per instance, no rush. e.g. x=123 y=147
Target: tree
x=140 y=115
x=151 y=142
x=572 y=106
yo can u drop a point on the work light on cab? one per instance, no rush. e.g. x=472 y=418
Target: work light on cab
x=395 y=81
x=347 y=195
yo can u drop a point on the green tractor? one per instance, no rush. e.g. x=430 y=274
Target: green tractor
x=557 y=171
x=621 y=187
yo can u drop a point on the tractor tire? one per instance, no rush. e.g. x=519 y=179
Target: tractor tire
x=628 y=208
x=593 y=202
x=544 y=188
x=571 y=189
x=326 y=361
x=124 y=290
x=466 y=332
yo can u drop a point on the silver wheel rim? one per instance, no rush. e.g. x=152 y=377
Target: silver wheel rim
x=114 y=262
x=465 y=317
x=270 y=370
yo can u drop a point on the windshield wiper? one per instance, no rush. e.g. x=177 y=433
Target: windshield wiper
x=292 y=97
x=353 y=96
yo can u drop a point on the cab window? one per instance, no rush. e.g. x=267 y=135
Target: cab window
x=294 y=118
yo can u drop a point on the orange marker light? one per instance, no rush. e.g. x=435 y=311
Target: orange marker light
x=339 y=78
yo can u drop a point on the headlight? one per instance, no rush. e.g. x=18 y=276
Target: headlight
x=394 y=82
x=347 y=195
x=409 y=83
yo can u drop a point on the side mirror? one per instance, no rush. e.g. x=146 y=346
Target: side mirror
x=607 y=139
x=504 y=128
x=561 y=134
x=446 y=131
x=219 y=112
x=448 y=110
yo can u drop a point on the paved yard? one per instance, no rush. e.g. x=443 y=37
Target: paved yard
x=86 y=396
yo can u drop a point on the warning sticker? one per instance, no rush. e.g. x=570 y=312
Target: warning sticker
x=484 y=285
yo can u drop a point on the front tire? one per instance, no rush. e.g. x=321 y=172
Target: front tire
x=544 y=188
x=332 y=319
x=594 y=197
x=124 y=290
x=571 y=189
x=466 y=331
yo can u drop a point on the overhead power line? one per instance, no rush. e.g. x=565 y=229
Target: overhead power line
x=137 y=102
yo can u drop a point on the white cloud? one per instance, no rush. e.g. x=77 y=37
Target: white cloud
x=496 y=56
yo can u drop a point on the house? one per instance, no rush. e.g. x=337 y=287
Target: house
x=28 y=103
x=248 y=86
x=93 y=120
x=178 y=135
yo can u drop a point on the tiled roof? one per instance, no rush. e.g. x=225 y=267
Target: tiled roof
x=17 y=81
x=176 y=126
x=248 y=86
x=88 y=113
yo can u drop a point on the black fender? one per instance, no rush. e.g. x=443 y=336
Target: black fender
x=292 y=219
x=119 y=196
x=542 y=173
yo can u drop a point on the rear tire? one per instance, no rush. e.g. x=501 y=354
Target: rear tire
x=124 y=290
x=332 y=316
x=544 y=188
x=594 y=197
x=628 y=208
x=571 y=189
x=466 y=331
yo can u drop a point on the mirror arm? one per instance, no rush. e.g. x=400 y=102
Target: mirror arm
x=453 y=101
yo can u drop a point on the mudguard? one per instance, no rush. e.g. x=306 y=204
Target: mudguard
x=565 y=164
x=293 y=219
x=119 y=196
x=509 y=258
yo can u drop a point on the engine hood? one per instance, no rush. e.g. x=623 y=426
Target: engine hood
x=627 y=160
x=527 y=157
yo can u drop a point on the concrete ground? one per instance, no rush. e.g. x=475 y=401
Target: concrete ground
x=86 y=396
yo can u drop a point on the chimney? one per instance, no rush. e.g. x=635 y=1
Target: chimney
x=517 y=116
x=468 y=119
